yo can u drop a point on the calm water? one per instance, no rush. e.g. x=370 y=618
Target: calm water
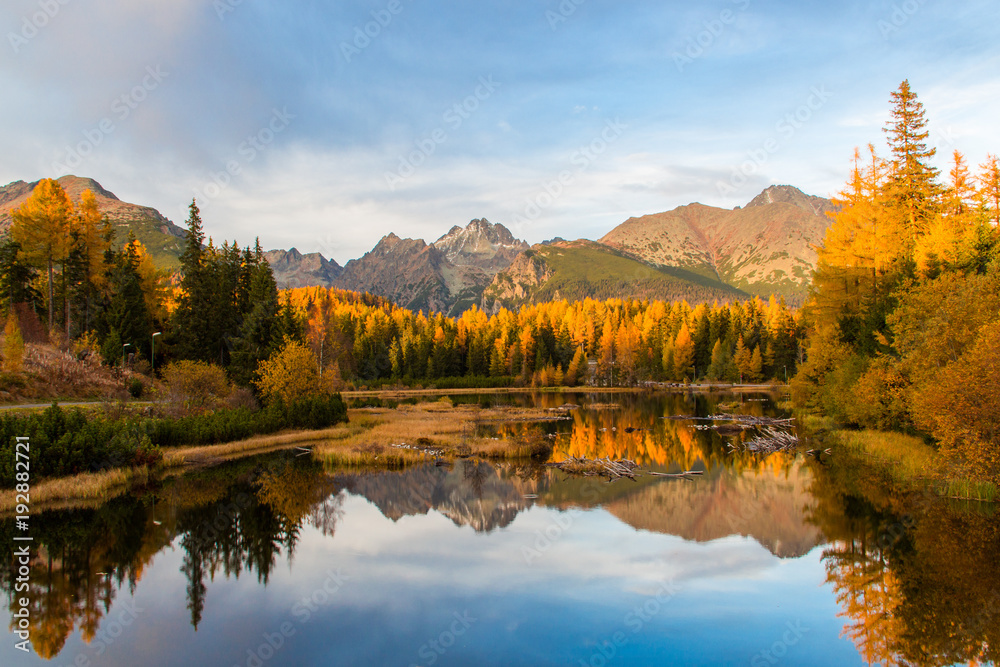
x=276 y=561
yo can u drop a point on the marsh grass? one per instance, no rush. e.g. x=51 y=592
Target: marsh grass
x=909 y=462
x=366 y=441
x=413 y=434
x=99 y=486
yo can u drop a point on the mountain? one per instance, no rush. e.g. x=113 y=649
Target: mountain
x=576 y=270
x=293 y=269
x=446 y=276
x=766 y=247
x=481 y=244
x=163 y=239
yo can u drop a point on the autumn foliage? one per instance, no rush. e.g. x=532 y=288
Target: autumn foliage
x=906 y=298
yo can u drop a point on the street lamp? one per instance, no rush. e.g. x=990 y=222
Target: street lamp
x=123 y=353
x=152 y=353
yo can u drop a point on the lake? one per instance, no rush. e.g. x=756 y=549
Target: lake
x=791 y=559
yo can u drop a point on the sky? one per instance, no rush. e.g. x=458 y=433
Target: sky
x=327 y=125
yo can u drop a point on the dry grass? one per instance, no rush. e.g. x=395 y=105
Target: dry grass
x=414 y=434
x=908 y=461
x=373 y=438
x=52 y=374
x=261 y=444
x=99 y=486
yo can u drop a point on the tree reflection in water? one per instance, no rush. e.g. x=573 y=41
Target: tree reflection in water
x=915 y=574
x=234 y=518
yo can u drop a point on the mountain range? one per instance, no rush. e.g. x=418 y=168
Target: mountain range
x=695 y=252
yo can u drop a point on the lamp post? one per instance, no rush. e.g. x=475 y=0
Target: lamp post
x=123 y=353
x=152 y=354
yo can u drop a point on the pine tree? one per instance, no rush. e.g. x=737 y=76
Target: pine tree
x=126 y=314
x=719 y=362
x=913 y=183
x=259 y=334
x=193 y=319
x=16 y=275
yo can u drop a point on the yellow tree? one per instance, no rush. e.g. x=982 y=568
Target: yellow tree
x=41 y=225
x=683 y=353
x=13 y=349
x=89 y=240
x=989 y=190
x=155 y=283
x=289 y=374
x=950 y=234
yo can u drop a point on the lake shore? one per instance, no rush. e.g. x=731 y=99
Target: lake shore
x=374 y=438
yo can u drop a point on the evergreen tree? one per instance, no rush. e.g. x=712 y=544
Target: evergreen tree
x=193 y=319
x=16 y=275
x=126 y=313
x=260 y=331
x=913 y=185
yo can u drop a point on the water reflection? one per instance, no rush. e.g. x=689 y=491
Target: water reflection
x=910 y=579
x=915 y=575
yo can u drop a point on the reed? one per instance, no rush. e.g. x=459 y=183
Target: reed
x=909 y=462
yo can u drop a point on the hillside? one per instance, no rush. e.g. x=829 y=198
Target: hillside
x=576 y=270
x=163 y=239
x=767 y=247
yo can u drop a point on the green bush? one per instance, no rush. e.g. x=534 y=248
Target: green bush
x=135 y=388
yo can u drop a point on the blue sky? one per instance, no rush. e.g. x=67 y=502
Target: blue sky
x=326 y=125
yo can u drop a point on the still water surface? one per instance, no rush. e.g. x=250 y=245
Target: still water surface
x=761 y=561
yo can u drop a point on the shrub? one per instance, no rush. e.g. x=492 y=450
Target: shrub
x=195 y=385
x=135 y=388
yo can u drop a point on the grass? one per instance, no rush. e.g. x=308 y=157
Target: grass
x=99 y=486
x=413 y=434
x=909 y=462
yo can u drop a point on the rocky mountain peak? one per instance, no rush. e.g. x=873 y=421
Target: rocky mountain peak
x=788 y=194
x=482 y=244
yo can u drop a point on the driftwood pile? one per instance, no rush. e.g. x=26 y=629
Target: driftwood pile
x=771 y=440
x=774 y=434
x=606 y=467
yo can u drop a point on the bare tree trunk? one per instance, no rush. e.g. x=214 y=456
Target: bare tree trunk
x=52 y=298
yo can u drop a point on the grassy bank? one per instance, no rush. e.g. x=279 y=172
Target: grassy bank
x=414 y=434
x=374 y=438
x=909 y=462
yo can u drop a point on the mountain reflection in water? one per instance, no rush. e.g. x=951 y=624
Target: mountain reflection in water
x=901 y=579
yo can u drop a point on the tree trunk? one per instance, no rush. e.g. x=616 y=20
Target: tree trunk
x=52 y=298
